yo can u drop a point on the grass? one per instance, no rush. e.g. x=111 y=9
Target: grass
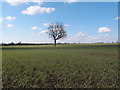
x=63 y=66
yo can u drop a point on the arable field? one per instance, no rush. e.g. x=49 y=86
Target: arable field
x=63 y=66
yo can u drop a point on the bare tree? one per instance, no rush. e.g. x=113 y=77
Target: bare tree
x=56 y=31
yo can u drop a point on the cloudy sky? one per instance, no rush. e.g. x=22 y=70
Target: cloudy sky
x=85 y=22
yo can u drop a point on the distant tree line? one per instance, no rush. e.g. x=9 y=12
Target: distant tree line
x=13 y=44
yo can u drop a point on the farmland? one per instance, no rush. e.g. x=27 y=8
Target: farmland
x=63 y=66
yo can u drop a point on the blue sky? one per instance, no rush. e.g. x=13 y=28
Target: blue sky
x=84 y=21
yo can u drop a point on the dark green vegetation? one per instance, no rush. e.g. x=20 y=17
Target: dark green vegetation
x=73 y=65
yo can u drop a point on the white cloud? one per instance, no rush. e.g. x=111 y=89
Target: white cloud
x=117 y=18
x=1 y=19
x=66 y=25
x=80 y=34
x=103 y=29
x=34 y=34
x=84 y=38
x=46 y=24
x=16 y=2
x=10 y=18
x=70 y=1
x=79 y=37
x=19 y=2
x=106 y=35
x=35 y=28
x=32 y=10
x=9 y=26
x=91 y=38
x=43 y=32
x=37 y=1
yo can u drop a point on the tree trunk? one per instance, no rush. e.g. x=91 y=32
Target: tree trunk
x=55 y=42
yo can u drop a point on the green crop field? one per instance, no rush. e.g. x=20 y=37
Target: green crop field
x=63 y=66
